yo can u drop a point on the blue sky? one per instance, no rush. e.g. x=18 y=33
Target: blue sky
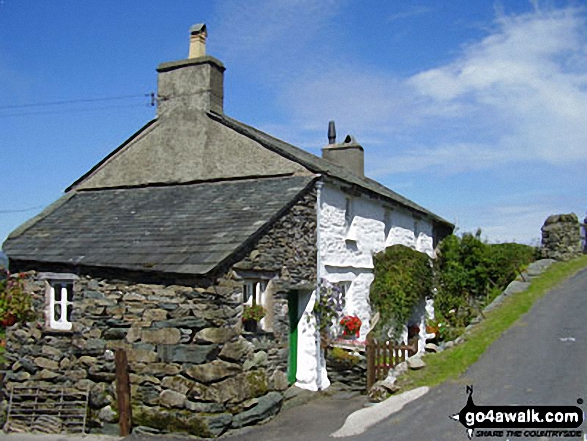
x=475 y=110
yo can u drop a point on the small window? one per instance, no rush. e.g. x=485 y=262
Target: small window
x=416 y=229
x=253 y=292
x=343 y=287
x=60 y=304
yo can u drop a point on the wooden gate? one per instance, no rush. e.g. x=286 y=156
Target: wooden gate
x=385 y=355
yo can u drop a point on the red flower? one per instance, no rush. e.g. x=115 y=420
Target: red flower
x=351 y=325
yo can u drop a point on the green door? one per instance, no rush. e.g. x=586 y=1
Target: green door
x=292 y=303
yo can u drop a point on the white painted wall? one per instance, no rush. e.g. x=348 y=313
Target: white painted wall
x=308 y=376
x=346 y=255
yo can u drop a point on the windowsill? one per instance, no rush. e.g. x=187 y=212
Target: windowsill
x=50 y=331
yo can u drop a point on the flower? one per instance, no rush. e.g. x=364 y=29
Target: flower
x=351 y=325
x=256 y=312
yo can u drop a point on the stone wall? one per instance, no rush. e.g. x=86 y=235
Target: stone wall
x=192 y=368
x=561 y=237
x=347 y=366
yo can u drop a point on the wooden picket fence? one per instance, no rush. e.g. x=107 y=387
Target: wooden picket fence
x=385 y=355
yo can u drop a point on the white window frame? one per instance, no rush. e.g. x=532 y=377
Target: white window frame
x=66 y=287
x=256 y=287
x=65 y=284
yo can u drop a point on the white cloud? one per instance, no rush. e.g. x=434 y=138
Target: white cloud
x=412 y=12
x=519 y=94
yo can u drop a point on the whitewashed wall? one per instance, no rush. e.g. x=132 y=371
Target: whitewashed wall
x=346 y=255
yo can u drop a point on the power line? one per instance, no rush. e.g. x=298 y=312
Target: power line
x=21 y=210
x=81 y=100
x=63 y=111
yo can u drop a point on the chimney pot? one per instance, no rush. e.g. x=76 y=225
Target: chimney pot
x=331 y=133
x=198 y=34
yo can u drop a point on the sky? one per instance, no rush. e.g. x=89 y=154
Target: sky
x=475 y=110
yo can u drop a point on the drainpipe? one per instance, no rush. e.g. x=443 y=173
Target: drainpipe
x=319 y=185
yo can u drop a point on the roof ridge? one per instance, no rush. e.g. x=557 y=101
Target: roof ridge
x=317 y=164
x=193 y=182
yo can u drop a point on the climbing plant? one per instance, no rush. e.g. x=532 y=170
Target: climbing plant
x=329 y=305
x=403 y=277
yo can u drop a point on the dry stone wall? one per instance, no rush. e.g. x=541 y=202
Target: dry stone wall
x=561 y=237
x=192 y=367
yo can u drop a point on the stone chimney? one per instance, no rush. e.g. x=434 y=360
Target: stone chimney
x=349 y=154
x=196 y=83
x=198 y=35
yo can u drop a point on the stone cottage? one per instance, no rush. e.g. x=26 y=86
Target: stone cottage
x=159 y=248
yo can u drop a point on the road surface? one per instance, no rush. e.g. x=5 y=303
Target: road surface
x=540 y=360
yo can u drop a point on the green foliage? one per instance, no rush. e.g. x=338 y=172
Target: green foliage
x=451 y=363
x=343 y=356
x=16 y=304
x=471 y=273
x=255 y=312
x=403 y=277
x=506 y=259
x=329 y=306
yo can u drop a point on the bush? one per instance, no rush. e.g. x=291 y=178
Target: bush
x=471 y=273
x=15 y=303
x=403 y=277
x=506 y=260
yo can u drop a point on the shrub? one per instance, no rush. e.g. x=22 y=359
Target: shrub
x=403 y=277
x=16 y=304
x=471 y=273
x=506 y=260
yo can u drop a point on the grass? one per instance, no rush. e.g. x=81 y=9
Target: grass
x=451 y=363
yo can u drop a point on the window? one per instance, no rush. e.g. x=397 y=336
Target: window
x=60 y=304
x=416 y=229
x=343 y=287
x=254 y=292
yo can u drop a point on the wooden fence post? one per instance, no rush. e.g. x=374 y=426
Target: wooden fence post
x=123 y=393
x=369 y=352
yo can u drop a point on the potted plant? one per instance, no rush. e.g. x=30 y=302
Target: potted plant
x=251 y=316
x=351 y=325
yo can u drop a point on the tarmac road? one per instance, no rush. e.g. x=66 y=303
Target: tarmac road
x=541 y=360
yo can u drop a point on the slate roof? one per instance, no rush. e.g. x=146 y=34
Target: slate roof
x=318 y=165
x=186 y=229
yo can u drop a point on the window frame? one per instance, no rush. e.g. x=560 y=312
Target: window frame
x=63 y=282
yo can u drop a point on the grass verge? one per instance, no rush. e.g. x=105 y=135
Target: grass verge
x=453 y=362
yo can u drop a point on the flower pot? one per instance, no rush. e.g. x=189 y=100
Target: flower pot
x=250 y=325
